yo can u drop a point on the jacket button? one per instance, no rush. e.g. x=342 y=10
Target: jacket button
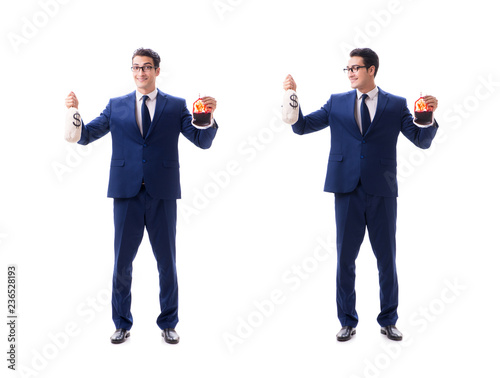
x=144 y=161
x=362 y=156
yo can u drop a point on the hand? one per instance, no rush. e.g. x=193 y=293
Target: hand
x=431 y=102
x=210 y=103
x=289 y=83
x=71 y=101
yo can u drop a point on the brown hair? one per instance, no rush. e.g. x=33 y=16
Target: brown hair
x=370 y=57
x=149 y=53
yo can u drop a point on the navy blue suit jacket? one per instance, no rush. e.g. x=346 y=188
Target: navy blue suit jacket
x=154 y=158
x=370 y=158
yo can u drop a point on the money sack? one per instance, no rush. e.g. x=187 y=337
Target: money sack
x=290 y=111
x=73 y=126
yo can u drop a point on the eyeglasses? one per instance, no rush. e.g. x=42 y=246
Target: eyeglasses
x=143 y=68
x=353 y=68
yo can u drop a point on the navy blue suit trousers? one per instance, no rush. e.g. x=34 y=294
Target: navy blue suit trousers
x=159 y=217
x=355 y=212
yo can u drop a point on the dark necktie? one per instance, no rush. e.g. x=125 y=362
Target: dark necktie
x=365 y=115
x=146 y=118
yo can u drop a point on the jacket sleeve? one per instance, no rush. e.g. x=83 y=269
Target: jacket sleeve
x=97 y=128
x=419 y=136
x=314 y=121
x=201 y=138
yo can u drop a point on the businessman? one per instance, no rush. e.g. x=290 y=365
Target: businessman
x=144 y=183
x=365 y=124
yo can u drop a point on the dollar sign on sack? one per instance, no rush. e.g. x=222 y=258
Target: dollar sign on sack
x=77 y=120
x=293 y=98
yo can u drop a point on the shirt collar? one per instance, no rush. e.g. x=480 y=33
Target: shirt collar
x=152 y=95
x=371 y=95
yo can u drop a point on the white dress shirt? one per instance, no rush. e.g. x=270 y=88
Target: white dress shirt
x=371 y=102
x=151 y=104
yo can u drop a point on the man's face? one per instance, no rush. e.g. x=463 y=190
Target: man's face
x=145 y=80
x=364 y=79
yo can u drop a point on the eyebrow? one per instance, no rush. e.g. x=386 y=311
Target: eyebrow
x=136 y=64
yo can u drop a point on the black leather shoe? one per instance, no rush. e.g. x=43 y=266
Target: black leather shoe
x=120 y=336
x=170 y=336
x=392 y=333
x=346 y=333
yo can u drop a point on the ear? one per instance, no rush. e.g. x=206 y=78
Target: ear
x=371 y=70
x=158 y=71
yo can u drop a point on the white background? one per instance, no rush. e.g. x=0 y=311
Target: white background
x=258 y=231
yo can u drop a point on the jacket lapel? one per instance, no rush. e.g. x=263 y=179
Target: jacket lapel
x=351 y=105
x=381 y=105
x=161 y=101
x=130 y=102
